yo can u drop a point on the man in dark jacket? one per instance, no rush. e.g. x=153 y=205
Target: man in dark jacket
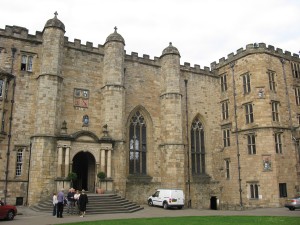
x=60 y=203
x=71 y=201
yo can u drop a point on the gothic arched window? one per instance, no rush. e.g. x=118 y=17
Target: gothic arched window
x=197 y=148
x=137 y=144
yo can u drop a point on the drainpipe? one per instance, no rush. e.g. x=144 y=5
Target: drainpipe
x=232 y=64
x=13 y=49
x=187 y=145
x=28 y=173
x=287 y=94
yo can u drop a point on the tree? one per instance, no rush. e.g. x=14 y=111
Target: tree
x=101 y=175
x=72 y=176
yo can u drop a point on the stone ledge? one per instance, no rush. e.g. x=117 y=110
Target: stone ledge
x=138 y=178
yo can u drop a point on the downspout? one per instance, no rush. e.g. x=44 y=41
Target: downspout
x=28 y=173
x=232 y=64
x=287 y=94
x=13 y=49
x=187 y=145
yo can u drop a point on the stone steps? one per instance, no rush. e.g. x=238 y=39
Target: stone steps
x=98 y=204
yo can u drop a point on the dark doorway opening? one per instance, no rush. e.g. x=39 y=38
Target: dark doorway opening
x=213 y=203
x=84 y=167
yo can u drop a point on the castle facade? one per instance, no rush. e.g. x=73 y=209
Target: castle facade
x=227 y=135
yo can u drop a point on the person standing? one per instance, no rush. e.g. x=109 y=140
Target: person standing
x=71 y=201
x=54 y=200
x=60 y=203
x=76 y=198
x=83 y=200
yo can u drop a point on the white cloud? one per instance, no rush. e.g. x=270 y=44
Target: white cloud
x=202 y=30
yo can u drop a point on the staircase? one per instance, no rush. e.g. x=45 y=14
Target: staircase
x=98 y=204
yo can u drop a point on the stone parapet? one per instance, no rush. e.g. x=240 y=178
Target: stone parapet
x=255 y=48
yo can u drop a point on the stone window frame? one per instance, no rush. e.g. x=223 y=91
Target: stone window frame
x=249 y=112
x=227 y=162
x=3 y=121
x=282 y=190
x=272 y=80
x=223 y=82
x=298 y=119
x=27 y=61
x=137 y=144
x=297 y=95
x=2 y=86
x=225 y=109
x=19 y=161
x=253 y=190
x=246 y=77
x=275 y=110
x=197 y=147
x=295 y=70
x=278 y=142
x=226 y=136
x=251 y=143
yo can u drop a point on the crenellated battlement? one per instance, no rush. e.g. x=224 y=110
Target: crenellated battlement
x=144 y=60
x=87 y=47
x=21 y=32
x=196 y=69
x=252 y=49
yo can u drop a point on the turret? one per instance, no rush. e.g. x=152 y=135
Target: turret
x=48 y=111
x=171 y=114
x=170 y=95
x=113 y=81
x=114 y=59
x=50 y=80
x=170 y=69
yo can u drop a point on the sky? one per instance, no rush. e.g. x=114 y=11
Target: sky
x=202 y=30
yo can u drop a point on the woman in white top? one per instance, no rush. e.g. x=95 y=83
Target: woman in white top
x=54 y=201
x=76 y=198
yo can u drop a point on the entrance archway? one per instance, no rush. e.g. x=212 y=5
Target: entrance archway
x=84 y=165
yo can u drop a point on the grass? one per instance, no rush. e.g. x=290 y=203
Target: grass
x=199 y=220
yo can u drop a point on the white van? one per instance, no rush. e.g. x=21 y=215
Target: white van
x=167 y=198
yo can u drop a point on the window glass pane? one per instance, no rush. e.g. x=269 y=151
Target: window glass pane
x=137 y=145
x=29 y=64
x=1 y=88
x=193 y=163
x=197 y=148
x=144 y=163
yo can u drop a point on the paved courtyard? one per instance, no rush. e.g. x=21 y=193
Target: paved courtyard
x=28 y=217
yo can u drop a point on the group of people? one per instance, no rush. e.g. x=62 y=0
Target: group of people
x=74 y=201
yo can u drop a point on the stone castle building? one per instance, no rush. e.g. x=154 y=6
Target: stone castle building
x=227 y=135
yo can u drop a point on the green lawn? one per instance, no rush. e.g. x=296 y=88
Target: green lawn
x=200 y=220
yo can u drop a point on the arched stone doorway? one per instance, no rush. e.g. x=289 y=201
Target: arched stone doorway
x=84 y=165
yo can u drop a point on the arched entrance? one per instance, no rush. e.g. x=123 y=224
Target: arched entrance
x=84 y=165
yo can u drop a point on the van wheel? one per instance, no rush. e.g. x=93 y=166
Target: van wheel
x=165 y=205
x=150 y=203
x=179 y=207
x=292 y=208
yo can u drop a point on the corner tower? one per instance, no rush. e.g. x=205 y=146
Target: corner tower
x=48 y=109
x=171 y=123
